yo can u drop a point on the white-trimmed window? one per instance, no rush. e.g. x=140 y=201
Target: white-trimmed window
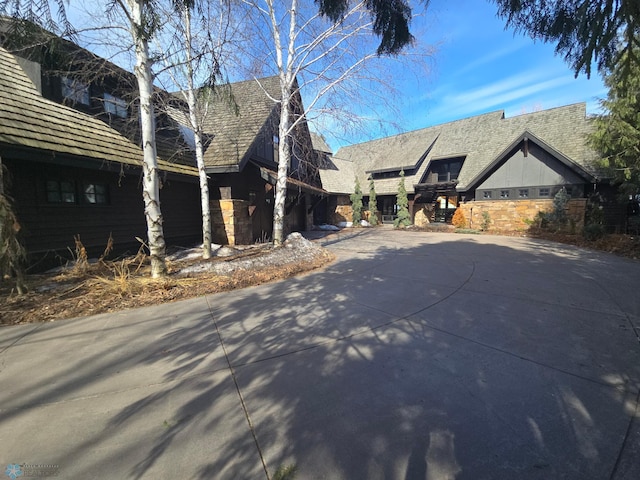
x=75 y=90
x=115 y=105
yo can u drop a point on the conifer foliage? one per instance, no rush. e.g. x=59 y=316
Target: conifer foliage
x=373 y=203
x=356 y=204
x=403 y=219
x=585 y=31
x=616 y=136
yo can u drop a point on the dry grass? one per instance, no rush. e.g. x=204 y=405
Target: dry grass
x=618 y=244
x=93 y=288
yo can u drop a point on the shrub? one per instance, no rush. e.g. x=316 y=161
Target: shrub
x=593 y=232
x=356 y=204
x=373 y=204
x=403 y=219
x=486 y=221
x=458 y=220
x=558 y=216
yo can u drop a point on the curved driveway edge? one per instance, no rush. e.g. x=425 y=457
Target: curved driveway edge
x=413 y=356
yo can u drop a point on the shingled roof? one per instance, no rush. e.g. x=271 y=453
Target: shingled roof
x=480 y=140
x=233 y=131
x=31 y=121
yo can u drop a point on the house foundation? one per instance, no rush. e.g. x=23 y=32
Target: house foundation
x=518 y=215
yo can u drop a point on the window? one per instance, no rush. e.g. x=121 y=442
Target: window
x=504 y=193
x=75 y=90
x=445 y=170
x=115 y=106
x=95 y=193
x=486 y=194
x=61 y=191
x=276 y=146
x=523 y=193
x=543 y=192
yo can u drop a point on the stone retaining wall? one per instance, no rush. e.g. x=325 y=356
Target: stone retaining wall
x=517 y=215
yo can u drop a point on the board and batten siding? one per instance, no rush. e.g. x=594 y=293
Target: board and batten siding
x=538 y=168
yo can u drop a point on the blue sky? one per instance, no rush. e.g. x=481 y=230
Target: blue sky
x=478 y=67
x=481 y=67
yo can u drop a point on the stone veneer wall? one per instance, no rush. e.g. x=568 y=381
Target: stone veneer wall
x=344 y=213
x=230 y=222
x=513 y=215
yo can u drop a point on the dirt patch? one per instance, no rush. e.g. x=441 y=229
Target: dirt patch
x=88 y=289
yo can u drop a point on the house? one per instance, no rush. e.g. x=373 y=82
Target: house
x=241 y=158
x=72 y=174
x=506 y=168
x=70 y=142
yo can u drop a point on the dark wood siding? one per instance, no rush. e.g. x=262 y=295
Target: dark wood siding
x=50 y=227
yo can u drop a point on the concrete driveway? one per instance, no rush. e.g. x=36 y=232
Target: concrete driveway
x=413 y=356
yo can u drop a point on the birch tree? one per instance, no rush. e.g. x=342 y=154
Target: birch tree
x=193 y=66
x=324 y=52
x=143 y=24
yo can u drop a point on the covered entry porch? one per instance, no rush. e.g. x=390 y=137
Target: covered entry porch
x=437 y=202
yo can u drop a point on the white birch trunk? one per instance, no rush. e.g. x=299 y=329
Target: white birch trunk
x=197 y=129
x=285 y=71
x=284 y=153
x=151 y=181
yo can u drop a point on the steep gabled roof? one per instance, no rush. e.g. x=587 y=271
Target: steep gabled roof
x=319 y=143
x=527 y=136
x=234 y=132
x=29 y=120
x=480 y=140
x=339 y=176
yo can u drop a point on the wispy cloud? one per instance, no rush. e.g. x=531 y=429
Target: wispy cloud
x=499 y=94
x=513 y=47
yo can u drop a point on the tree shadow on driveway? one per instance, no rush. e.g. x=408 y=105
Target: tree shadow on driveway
x=415 y=356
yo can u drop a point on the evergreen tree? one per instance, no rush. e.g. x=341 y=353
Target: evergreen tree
x=403 y=219
x=616 y=136
x=586 y=31
x=373 y=203
x=356 y=204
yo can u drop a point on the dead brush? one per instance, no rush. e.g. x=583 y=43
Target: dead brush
x=80 y=257
x=124 y=279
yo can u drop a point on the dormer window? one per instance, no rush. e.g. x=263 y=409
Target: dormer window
x=446 y=170
x=115 y=106
x=75 y=90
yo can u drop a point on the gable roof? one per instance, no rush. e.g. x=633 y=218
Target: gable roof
x=319 y=143
x=29 y=120
x=233 y=132
x=527 y=136
x=481 y=140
